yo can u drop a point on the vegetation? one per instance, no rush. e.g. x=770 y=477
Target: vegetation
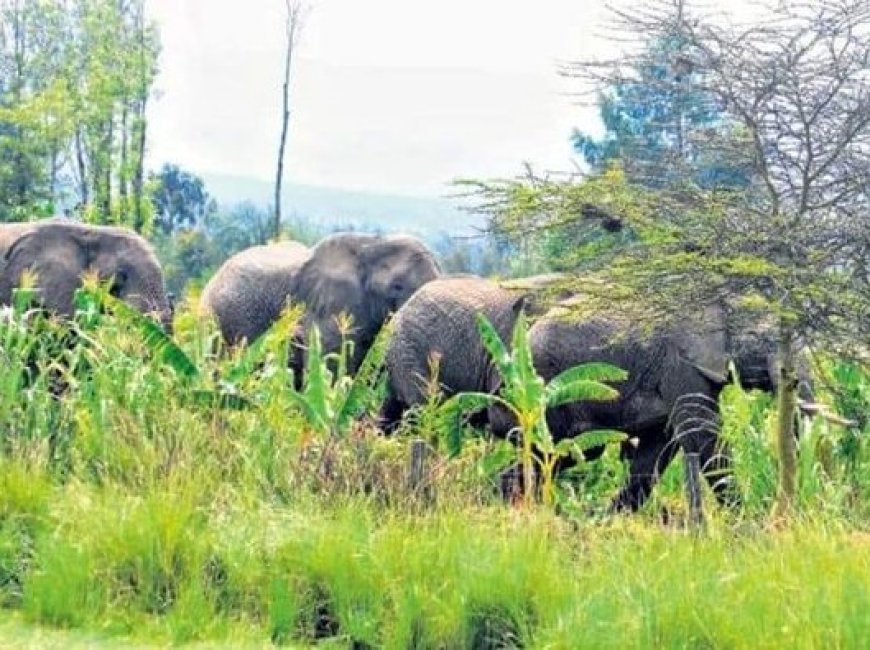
x=130 y=508
x=526 y=397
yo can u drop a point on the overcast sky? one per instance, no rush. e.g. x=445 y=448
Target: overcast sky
x=395 y=96
x=388 y=95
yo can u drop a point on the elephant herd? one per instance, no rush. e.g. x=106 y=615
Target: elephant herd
x=370 y=278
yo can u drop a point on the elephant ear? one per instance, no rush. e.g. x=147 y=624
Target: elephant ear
x=56 y=259
x=704 y=345
x=331 y=280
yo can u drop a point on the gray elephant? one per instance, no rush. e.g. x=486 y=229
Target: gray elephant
x=249 y=291
x=367 y=277
x=440 y=319
x=59 y=252
x=674 y=380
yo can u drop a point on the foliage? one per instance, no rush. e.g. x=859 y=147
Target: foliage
x=77 y=78
x=180 y=199
x=788 y=247
x=331 y=400
x=130 y=509
x=524 y=394
x=660 y=123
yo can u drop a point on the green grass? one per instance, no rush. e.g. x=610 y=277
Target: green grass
x=132 y=516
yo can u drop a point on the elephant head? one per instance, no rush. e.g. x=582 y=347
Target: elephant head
x=726 y=339
x=59 y=253
x=364 y=276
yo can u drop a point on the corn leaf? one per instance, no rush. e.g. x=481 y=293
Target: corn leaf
x=311 y=412
x=156 y=340
x=317 y=389
x=366 y=380
x=256 y=351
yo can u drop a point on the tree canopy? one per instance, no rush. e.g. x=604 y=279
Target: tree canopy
x=75 y=79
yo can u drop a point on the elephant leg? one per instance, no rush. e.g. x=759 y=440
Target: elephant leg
x=696 y=423
x=391 y=413
x=648 y=461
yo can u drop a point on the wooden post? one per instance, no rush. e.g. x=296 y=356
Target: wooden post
x=417 y=470
x=693 y=490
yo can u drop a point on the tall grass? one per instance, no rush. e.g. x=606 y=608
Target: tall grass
x=127 y=507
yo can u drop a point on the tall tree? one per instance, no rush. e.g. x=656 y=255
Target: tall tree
x=76 y=75
x=659 y=121
x=34 y=106
x=296 y=10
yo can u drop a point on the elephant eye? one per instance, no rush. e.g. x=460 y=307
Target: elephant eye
x=397 y=287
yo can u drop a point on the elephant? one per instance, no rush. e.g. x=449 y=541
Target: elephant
x=59 y=252
x=675 y=376
x=250 y=289
x=368 y=277
x=440 y=320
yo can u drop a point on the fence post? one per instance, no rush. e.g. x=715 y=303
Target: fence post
x=693 y=490
x=417 y=470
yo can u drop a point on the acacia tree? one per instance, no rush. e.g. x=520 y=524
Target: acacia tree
x=795 y=243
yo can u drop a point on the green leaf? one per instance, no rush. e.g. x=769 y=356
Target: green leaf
x=312 y=414
x=593 y=371
x=257 y=350
x=496 y=349
x=528 y=389
x=587 y=440
x=463 y=403
x=498 y=459
x=156 y=340
x=317 y=388
x=366 y=379
x=23 y=299
x=449 y=414
x=582 y=390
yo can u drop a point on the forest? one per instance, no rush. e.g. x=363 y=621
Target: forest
x=631 y=411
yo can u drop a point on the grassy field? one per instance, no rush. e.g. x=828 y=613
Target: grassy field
x=137 y=511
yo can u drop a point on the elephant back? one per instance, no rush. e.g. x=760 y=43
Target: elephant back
x=439 y=321
x=247 y=294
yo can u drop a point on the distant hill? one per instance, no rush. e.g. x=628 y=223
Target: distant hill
x=425 y=216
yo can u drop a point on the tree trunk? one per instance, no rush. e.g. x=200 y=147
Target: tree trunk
x=293 y=17
x=141 y=128
x=139 y=174
x=122 y=173
x=787 y=407
x=108 y=141
x=82 y=168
